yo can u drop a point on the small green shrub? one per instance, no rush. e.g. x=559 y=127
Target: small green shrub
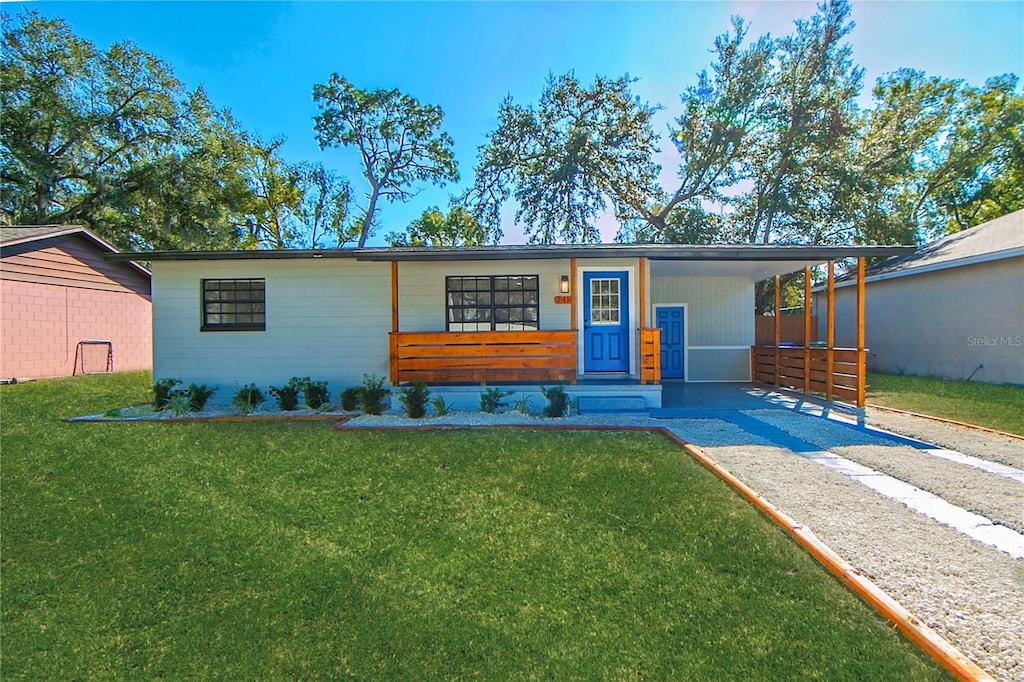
x=440 y=406
x=493 y=399
x=248 y=398
x=197 y=395
x=372 y=394
x=287 y=396
x=179 y=403
x=523 y=404
x=350 y=398
x=558 y=401
x=162 y=392
x=315 y=394
x=414 y=399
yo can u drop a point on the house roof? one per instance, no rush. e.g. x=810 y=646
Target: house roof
x=750 y=260
x=995 y=240
x=24 y=234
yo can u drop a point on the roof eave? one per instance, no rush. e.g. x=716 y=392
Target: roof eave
x=652 y=252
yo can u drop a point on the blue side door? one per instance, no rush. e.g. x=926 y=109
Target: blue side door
x=670 y=322
x=605 y=322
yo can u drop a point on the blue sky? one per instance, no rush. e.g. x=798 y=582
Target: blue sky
x=261 y=59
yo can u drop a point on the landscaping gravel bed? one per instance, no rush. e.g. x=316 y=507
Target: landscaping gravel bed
x=970 y=593
x=981 y=444
x=997 y=498
x=702 y=431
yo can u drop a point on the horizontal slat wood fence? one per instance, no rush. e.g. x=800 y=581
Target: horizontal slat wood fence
x=807 y=369
x=650 y=356
x=483 y=357
x=791 y=329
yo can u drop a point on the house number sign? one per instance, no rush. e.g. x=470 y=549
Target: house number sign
x=566 y=300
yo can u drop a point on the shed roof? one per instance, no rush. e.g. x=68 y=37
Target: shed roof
x=14 y=235
x=995 y=240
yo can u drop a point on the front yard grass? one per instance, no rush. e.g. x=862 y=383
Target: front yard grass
x=286 y=550
x=996 y=407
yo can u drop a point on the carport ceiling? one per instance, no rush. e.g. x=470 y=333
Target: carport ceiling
x=755 y=270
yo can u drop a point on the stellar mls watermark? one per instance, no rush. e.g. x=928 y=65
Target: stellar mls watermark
x=996 y=341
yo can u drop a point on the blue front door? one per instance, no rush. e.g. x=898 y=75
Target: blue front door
x=605 y=322
x=670 y=321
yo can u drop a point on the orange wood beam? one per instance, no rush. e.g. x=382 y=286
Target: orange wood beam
x=393 y=360
x=861 y=351
x=807 y=330
x=394 y=296
x=830 y=330
x=643 y=293
x=778 y=325
x=572 y=293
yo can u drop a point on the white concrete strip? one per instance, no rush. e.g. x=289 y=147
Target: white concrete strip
x=983 y=464
x=1002 y=470
x=934 y=507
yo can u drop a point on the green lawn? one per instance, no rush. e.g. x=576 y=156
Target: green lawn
x=287 y=550
x=996 y=407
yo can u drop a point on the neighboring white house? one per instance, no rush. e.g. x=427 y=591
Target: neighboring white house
x=954 y=309
x=499 y=314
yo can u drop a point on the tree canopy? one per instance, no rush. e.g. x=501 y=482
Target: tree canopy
x=112 y=140
x=434 y=228
x=772 y=147
x=400 y=141
x=769 y=144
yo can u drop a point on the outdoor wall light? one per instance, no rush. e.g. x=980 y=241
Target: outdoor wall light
x=563 y=285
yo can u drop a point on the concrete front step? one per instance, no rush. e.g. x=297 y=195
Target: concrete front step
x=611 y=404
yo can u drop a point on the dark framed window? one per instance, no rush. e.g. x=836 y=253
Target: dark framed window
x=231 y=305
x=497 y=303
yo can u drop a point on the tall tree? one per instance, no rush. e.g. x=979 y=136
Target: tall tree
x=111 y=139
x=400 y=141
x=277 y=189
x=192 y=195
x=434 y=228
x=325 y=209
x=582 y=150
x=808 y=121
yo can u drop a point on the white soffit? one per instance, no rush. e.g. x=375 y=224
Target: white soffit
x=753 y=270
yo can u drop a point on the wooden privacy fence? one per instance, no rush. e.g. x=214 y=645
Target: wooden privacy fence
x=650 y=356
x=483 y=357
x=834 y=372
x=791 y=329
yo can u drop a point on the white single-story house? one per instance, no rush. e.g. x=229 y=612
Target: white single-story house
x=954 y=308
x=595 y=317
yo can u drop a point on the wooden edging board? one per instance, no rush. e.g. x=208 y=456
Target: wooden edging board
x=943 y=420
x=929 y=641
x=338 y=419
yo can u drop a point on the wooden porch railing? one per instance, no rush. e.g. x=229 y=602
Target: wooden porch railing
x=483 y=357
x=834 y=372
x=650 y=355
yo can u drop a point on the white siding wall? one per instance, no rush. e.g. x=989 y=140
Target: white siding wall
x=327 y=319
x=719 y=323
x=944 y=323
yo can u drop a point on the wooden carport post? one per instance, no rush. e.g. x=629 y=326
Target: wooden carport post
x=572 y=315
x=778 y=328
x=394 y=323
x=861 y=351
x=830 y=331
x=807 y=330
x=643 y=292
